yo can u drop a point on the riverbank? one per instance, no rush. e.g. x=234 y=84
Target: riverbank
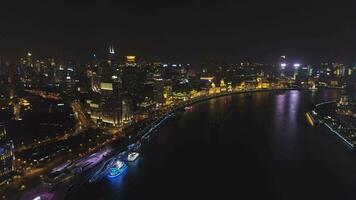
x=263 y=137
x=146 y=132
x=324 y=114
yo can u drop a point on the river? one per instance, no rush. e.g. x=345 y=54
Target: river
x=263 y=148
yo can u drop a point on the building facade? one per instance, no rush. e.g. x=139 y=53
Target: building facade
x=7 y=157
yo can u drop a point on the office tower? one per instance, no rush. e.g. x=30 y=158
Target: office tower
x=110 y=93
x=7 y=157
x=282 y=65
x=69 y=81
x=127 y=110
x=158 y=91
x=131 y=61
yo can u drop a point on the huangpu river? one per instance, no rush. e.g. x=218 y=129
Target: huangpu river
x=244 y=146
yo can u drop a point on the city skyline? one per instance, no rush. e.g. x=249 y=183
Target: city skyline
x=177 y=100
x=290 y=60
x=194 y=31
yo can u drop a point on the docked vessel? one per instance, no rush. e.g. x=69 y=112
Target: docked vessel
x=188 y=108
x=132 y=156
x=117 y=169
x=135 y=146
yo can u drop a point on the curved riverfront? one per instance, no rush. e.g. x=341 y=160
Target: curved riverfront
x=262 y=147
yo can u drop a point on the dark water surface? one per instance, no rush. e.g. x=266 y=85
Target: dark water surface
x=263 y=149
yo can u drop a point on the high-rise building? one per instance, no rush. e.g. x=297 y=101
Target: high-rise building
x=7 y=157
x=339 y=70
x=282 y=65
x=131 y=61
x=3 y=81
x=158 y=89
x=304 y=75
x=167 y=94
x=112 y=55
x=69 y=80
x=133 y=82
x=110 y=101
x=127 y=110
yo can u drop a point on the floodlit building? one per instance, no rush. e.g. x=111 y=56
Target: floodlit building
x=7 y=157
x=131 y=61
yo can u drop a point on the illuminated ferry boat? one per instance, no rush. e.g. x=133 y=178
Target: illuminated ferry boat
x=132 y=156
x=117 y=169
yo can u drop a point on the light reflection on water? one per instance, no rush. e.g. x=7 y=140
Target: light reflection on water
x=265 y=134
x=117 y=182
x=285 y=128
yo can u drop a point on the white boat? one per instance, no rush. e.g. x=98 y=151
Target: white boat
x=132 y=156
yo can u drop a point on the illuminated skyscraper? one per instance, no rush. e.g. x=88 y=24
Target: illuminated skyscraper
x=111 y=49
x=158 y=91
x=112 y=53
x=108 y=106
x=131 y=61
x=282 y=64
x=110 y=103
x=7 y=157
x=69 y=80
x=110 y=93
x=3 y=81
x=127 y=110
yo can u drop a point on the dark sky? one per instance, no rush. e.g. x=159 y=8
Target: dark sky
x=188 y=31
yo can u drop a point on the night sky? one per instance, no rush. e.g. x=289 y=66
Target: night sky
x=187 y=31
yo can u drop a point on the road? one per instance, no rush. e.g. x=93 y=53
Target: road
x=82 y=120
x=31 y=175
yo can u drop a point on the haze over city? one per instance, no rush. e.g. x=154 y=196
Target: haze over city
x=181 y=31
